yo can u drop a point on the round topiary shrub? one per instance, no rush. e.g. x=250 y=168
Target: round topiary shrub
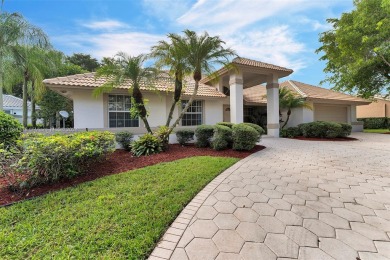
x=222 y=137
x=290 y=132
x=228 y=124
x=124 y=138
x=10 y=129
x=184 y=136
x=244 y=137
x=258 y=128
x=203 y=134
x=346 y=130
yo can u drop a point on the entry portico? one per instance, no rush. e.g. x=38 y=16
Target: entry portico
x=246 y=73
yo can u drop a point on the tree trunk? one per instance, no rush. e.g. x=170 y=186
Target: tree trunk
x=33 y=107
x=288 y=117
x=25 y=107
x=176 y=98
x=185 y=108
x=139 y=102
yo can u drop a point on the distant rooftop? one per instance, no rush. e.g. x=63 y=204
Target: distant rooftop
x=10 y=101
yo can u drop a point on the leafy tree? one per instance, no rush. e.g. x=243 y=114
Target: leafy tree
x=85 y=61
x=128 y=69
x=201 y=53
x=357 y=49
x=170 y=56
x=288 y=100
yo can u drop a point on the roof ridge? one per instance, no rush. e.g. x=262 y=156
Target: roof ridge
x=328 y=89
x=266 y=63
x=300 y=92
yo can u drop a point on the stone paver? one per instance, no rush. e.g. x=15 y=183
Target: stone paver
x=293 y=200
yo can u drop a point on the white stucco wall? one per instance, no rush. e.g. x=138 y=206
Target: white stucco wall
x=299 y=116
x=213 y=111
x=88 y=110
x=156 y=105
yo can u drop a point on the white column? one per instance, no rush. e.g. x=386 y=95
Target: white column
x=273 y=105
x=236 y=98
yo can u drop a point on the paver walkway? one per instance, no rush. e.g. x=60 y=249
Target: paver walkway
x=293 y=200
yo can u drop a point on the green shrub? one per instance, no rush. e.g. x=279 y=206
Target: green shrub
x=10 y=129
x=346 y=130
x=375 y=122
x=228 y=124
x=47 y=159
x=244 y=137
x=185 y=136
x=222 y=138
x=258 y=128
x=203 y=134
x=321 y=129
x=124 y=138
x=290 y=132
x=146 y=145
x=162 y=133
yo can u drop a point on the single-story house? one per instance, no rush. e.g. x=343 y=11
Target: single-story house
x=380 y=107
x=231 y=98
x=14 y=106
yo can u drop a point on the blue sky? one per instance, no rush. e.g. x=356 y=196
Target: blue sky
x=282 y=32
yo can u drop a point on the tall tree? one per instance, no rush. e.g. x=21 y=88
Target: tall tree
x=201 y=53
x=85 y=61
x=128 y=69
x=289 y=100
x=170 y=56
x=357 y=49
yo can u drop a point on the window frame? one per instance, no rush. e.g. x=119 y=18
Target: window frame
x=201 y=113
x=126 y=109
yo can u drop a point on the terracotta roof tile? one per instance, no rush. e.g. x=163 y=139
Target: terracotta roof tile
x=162 y=84
x=260 y=64
x=257 y=93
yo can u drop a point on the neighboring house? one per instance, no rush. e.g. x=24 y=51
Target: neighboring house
x=14 y=106
x=231 y=98
x=380 y=107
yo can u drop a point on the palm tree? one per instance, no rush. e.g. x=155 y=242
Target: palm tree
x=201 y=53
x=170 y=55
x=15 y=31
x=124 y=69
x=288 y=100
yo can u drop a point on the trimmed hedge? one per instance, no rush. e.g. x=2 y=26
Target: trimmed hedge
x=245 y=137
x=10 y=129
x=290 y=132
x=185 y=136
x=321 y=129
x=222 y=138
x=124 y=138
x=375 y=122
x=203 y=134
x=45 y=159
x=346 y=130
x=228 y=124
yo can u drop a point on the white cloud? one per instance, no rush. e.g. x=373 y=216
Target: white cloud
x=108 y=44
x=108 y=24
x=314 y=24
x=166 y=9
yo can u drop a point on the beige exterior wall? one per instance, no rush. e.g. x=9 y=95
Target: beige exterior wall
x=378 y=108
x=88 y=110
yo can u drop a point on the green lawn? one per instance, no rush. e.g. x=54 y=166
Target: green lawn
x=116 y=217
x=379 y=131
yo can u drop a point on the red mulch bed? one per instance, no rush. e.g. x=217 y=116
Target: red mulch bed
x=120 y=161
x=325 y=139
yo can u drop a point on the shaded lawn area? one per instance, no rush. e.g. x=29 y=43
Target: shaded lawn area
x=379 y=131
x=118 y=216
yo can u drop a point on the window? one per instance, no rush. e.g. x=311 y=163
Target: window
x=194 y=114
x=119 y=112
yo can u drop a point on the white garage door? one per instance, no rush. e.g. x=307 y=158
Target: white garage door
x=330 y=113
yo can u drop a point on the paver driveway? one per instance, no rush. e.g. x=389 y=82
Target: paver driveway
x=293 y=200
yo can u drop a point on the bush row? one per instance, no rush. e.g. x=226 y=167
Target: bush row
x=41 y=159
x=223 y=135
x=375 y=122
x=319 y=129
